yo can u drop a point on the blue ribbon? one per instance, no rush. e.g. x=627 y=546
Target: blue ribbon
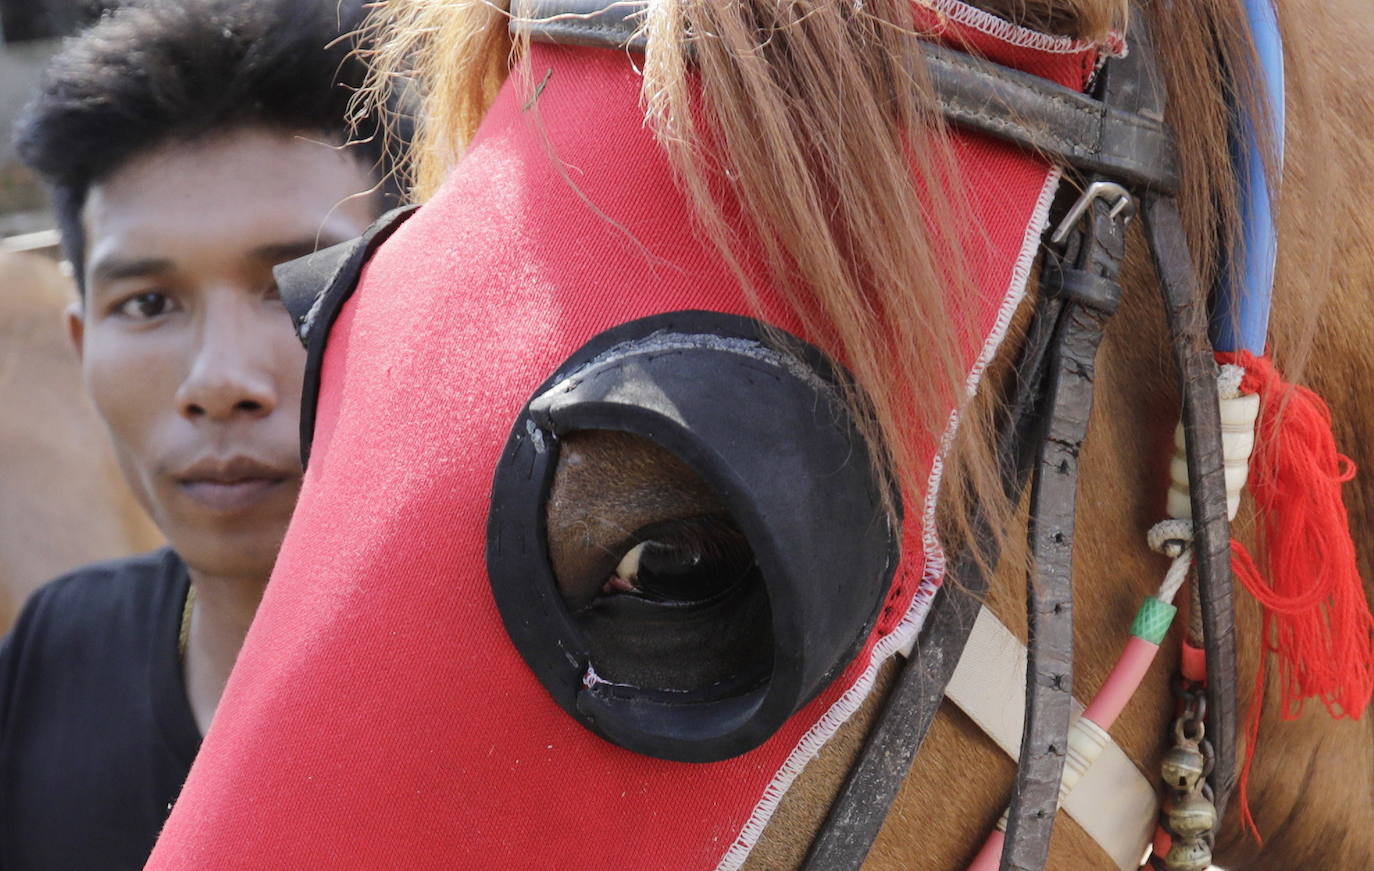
x=1240 y=320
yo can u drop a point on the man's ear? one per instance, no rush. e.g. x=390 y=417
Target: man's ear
x=76 y=326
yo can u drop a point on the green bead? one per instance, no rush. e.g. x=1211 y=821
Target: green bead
x=1153 y=619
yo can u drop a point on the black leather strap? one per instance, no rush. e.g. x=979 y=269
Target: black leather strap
x=1080 y=292
x=591 y=23
x=1066 y=126
x=1097 y=252
x=1080 y=286
x=314 y=289
x=870 y=788
x=1185 y=307
x=1050 y=397
x=1129 y=85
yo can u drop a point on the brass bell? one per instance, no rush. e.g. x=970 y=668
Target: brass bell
x=1191 y=816
x=1188 y=856
x=1182 y=766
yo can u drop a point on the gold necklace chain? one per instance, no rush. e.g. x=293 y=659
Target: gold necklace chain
x=185 y=632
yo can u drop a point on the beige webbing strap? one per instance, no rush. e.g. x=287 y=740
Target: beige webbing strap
x=1113 y=802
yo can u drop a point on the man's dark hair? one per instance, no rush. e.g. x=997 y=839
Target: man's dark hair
x=161 y=71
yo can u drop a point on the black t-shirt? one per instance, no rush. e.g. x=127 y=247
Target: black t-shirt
x=96 y=733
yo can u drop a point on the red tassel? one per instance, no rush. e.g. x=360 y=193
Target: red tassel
x=1316 y=618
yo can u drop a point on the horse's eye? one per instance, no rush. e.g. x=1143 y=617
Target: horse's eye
x=688 y=560
x=687 y=538
x=658 y=577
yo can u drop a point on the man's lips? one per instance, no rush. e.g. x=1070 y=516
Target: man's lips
x=232 y=484
x=231 y=496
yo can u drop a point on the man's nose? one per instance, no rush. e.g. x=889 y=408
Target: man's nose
x=230 y=373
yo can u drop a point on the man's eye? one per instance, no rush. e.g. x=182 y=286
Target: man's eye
x=144 y=306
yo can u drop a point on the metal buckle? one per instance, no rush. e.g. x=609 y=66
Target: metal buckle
x=1125 y=203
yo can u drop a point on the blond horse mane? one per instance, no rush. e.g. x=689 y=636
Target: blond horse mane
x=827 y=190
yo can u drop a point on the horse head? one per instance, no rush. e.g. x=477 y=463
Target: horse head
x=639 y=451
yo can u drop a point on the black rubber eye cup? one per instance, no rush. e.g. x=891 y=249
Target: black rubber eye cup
x=769 y=431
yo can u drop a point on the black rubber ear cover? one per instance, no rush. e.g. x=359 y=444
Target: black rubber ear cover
x=769 y=432
x=314 y=289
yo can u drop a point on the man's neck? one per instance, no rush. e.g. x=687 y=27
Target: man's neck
x=219 y=620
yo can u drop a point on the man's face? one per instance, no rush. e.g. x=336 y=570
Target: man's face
x=186 y=349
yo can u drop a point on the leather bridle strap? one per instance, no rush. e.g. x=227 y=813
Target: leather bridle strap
x=1087 y=278
x=1120 y=137
x=871 y=786
x=854 y=820
x=1185 y=308
x=1054 y=491
x=1186 y=311
x=1051 y=396
x=1065 y=126
x=1080 y=293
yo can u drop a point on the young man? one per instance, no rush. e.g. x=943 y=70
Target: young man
x=191 y=145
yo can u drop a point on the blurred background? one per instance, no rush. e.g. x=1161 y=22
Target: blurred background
x=30 y=31
x=46 y=422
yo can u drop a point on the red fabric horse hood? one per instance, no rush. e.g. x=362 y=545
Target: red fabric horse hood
x=379 y=716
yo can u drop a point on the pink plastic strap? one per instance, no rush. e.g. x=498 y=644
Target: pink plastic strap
x=1122 y=683
x=989 y=858
x=1194 y=663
